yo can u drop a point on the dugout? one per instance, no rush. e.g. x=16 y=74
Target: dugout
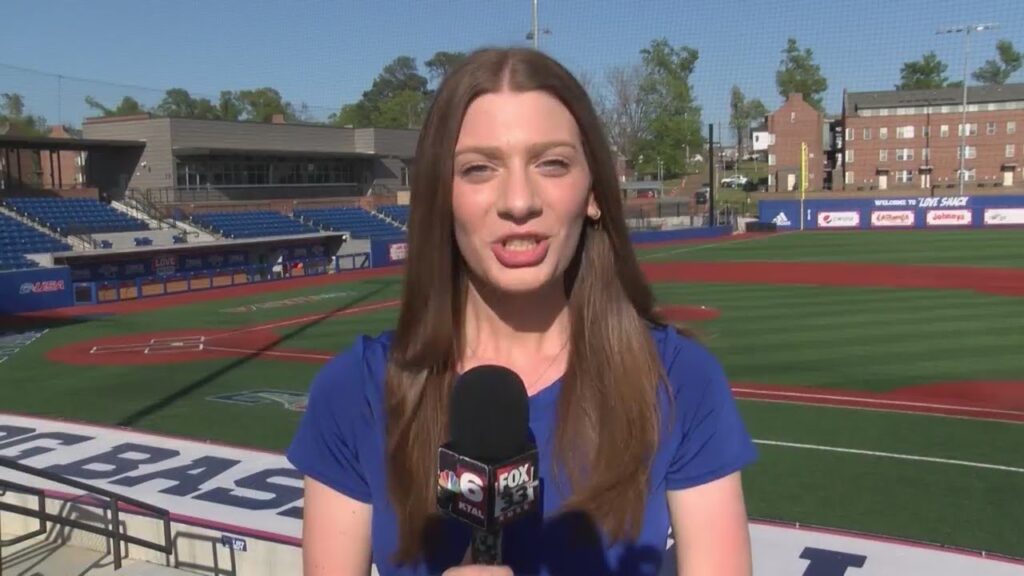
x=113 y=275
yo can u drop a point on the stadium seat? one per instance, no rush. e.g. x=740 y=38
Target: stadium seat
x=67 y=216
x=254 y=224
x=18 y=239
x=397 y=213
x=357 y=222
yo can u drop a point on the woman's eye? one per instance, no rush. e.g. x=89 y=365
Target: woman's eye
x=475 y=169
x=555 y=165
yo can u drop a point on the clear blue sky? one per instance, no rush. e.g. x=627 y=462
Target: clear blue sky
x=327 y=53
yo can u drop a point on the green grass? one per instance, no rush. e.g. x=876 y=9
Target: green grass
x=843 y=338
x=952 y=504
x=987 y=248
x=857 y=338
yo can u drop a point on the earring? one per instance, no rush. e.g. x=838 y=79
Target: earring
x=596 y=219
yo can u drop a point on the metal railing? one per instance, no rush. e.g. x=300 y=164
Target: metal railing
x=115 y=533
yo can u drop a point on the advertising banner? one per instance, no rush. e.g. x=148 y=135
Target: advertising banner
x=844 y=219
x=1004 y=217
x=948 y=217
x=892 y=218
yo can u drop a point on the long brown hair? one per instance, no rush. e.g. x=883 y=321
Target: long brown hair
x=607 y=415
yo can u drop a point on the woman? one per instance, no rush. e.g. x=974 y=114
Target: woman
x=519 y=255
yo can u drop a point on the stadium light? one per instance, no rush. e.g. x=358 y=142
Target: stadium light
x=535 y=32
x=966 y=30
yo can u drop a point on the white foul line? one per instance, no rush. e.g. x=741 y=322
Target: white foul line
x=704 y=245
x=310 y=318
x=269 y=353
x=875 y=401
x=891 y=455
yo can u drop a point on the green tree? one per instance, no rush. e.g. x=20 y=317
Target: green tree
x=178 y=103
x=999 y=71
x=441 y=63
x=798 y=72
x=743 y=113
x=14 y=118
x=926 y=73
x=399 y=96
x=675 y=119
x=128 y=106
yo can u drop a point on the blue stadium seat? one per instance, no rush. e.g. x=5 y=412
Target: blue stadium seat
x=397 y=213
x=18 y=239
x=254 y=224
x=68 y=216
x=356 y=221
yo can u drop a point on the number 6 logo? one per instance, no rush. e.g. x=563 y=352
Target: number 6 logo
x=471 y=487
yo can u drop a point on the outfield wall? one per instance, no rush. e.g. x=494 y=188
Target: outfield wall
x=940 y=212
x=35 y=289
x=392 y=252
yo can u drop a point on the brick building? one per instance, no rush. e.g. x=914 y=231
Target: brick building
x=796 y=122
x=64 y=168
x=911 y=138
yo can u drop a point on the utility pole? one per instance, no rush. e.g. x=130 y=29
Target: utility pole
x=711 y=176
x=966 y=31
x=535 y=31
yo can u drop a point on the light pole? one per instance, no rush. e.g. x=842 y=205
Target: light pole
x=535 y=31
x=966 y=31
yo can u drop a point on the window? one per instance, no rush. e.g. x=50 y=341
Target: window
x=849 y=156
x=883 y=155
x=849 y=177
x=1011 y=127
x=904 y=176
x=904 y=154
x=883 y=133
x=972 y=152
x=972 y=129
x=944 y=131
x=771 y=159
x=792 y=117
x=926 y=154
x=926 y=131
x=970 y=175
x=904 y=132
x=1010 y=150
x=990 y=128
x=849 y=133
x=404 y=176
x=867 y=133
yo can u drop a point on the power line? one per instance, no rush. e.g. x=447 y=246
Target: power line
x=61 y=77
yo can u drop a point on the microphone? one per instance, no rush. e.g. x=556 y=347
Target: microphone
x=487 y=471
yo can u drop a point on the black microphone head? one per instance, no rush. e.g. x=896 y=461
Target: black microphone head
x=489 y=414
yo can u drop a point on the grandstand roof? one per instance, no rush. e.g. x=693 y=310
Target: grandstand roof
x=269 y=151
x=48 y=143
x=78 y=256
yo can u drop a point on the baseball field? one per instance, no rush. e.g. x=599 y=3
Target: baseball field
x=881 y=373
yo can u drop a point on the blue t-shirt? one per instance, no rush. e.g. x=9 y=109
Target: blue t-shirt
x=341 y=443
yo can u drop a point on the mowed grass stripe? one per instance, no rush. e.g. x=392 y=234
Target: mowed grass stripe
x=988 y=248
x=967 y=507
x=941 y=502
x=972 y=440
x=875 y=339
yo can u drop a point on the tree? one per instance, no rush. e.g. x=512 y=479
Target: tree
x=625 y=112
x=399 y=96
x=178 y=103
x=743 y=113
x=673 y=120
x=441 y=63
x=126 y=107
x=798 y=72
x=999 y=71
x=927 y=73
x=14 y=118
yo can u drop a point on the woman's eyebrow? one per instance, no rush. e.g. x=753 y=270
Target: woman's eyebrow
x=496 y=152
